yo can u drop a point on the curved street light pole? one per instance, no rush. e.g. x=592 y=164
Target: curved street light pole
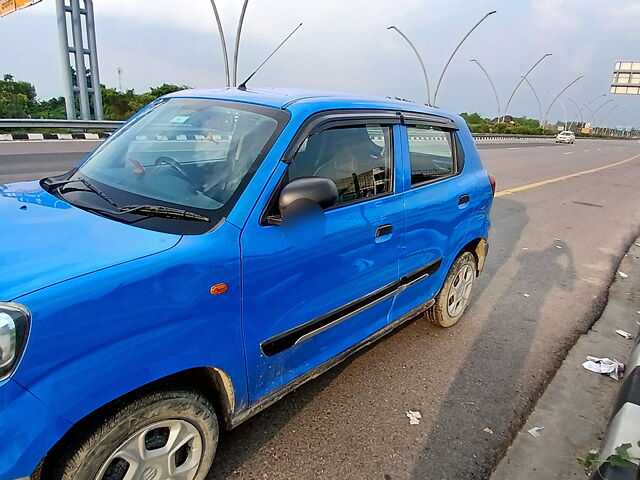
x=526 y=75
x=578 y=109
x=558 y=96
x=415 y=50
x=593 y=114
x=435 y=95
x=225 y=53
x=495 y=92
x=594 y=99
x=535 y=94
x=234 y=77
x=606 y=115
x=565 y=114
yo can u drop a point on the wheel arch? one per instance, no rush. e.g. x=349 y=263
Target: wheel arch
x=479 y=247
x=212 y=382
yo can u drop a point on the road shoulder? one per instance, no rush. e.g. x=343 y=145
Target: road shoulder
x=576 y=405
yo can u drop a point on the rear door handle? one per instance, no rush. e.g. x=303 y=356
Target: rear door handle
x=384 y=230
x=462 y=199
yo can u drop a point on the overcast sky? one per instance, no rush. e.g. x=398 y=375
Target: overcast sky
x=344 y=45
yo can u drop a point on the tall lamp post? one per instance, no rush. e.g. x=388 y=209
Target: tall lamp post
x=535 y=94
x=415 y=50
x=223 y=42
x=606 y=116
x=565 y=114
x=435 y=95
x=593 y=114
x=493 y=87
x=578 y=109
x=234 y=76
x=526 y=75
x=559 y=94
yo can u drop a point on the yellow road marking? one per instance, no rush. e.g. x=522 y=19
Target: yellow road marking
x=563 y=178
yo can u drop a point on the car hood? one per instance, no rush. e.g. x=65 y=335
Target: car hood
x=44 y=240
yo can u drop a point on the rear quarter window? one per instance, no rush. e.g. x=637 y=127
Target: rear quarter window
x=432 y=154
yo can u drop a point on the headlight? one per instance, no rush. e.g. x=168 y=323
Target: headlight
x=15 y=321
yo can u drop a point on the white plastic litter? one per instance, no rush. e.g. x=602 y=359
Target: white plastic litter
x=535 y=431
x=526 y=295
x=556 y=239
x=623 y=275
x=624 y=334
x=487 y=430
x=613 y=368
x=414 y=417
x=559 y=247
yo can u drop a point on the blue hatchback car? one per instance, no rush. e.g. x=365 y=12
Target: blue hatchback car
x=217 y=251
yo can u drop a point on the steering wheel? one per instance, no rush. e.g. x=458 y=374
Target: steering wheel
x=164 y=160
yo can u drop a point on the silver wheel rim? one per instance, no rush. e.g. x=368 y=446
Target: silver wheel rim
x=460 y=290
x=166 y=450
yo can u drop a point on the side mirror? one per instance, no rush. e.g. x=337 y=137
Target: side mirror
x=306 y=194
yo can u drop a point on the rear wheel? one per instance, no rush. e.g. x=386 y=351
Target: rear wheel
x=453 y=298
x=163 y=435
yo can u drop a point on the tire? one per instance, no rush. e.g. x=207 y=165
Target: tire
x=153 y=419
x=464 y=270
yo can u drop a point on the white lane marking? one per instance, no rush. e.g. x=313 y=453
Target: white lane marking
x=568 y=153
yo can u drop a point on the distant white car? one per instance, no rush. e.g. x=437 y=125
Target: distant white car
x=566 y=137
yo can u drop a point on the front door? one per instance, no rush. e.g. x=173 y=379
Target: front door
x=315 y=287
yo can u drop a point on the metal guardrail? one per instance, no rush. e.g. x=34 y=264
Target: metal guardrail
x=28 y=123
x=110 y=125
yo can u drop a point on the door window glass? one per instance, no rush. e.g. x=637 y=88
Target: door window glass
x=357 y=158
x=431 y=154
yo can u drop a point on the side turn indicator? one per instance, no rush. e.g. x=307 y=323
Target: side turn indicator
x=219 y=289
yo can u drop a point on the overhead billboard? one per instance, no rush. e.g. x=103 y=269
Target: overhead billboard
x=10 y=6
x=626 y=78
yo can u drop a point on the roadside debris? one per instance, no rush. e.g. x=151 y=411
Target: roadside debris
x=559 y=247
x=622 y=274
x=637 y=244
x=487 y=430
x=556 y=239
x=414 y=417
x=526 y=295
x=535 y=431
x=624 y=334
x=613 y=368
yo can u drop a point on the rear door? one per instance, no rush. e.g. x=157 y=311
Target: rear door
x=312 y=290
x=438 y=200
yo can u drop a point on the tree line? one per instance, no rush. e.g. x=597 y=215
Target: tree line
x=18 y=99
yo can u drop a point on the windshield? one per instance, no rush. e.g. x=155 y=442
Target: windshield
x=185 y=152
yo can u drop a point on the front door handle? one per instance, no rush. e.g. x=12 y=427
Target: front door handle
x=462 y=199
x=384 y=230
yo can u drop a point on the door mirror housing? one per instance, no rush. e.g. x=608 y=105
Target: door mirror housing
x=305 y=194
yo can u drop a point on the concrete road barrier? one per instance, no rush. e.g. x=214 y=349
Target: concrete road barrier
x=624 y=426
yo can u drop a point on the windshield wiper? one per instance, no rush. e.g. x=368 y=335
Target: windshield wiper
x=164 y=212
x=86 y=183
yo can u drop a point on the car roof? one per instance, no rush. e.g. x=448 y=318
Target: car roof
x=285 y=98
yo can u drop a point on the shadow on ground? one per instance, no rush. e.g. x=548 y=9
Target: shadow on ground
x=484 y=395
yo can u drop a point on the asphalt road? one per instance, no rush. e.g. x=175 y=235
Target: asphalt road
x=554 y=250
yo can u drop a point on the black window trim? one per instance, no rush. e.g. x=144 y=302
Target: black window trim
x=456 y=150
x=326 y=120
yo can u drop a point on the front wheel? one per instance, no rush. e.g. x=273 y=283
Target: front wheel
x=453 y=298
x=166 y=434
